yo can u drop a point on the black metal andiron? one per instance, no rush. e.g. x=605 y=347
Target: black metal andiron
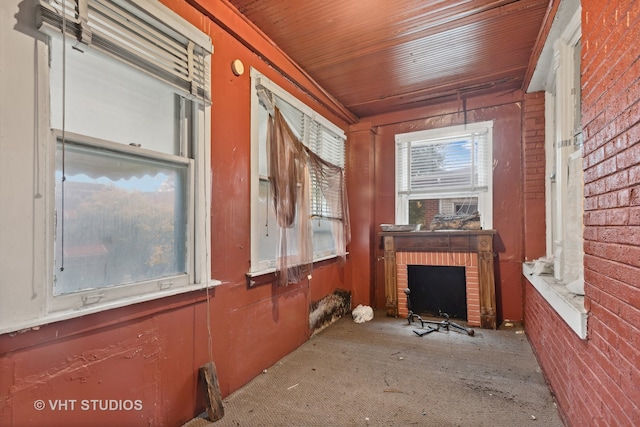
x=445 y=324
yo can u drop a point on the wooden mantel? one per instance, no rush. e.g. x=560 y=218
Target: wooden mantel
x=468 y=241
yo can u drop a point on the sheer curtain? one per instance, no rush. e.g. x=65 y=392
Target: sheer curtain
x=293 y=170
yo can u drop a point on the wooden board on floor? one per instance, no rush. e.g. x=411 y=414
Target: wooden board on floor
x=211 y=388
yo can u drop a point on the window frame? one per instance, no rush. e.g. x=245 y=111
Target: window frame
x=261 y=267
x=195 y=154
x=484 y=197
x=87 y=297
x=43 y=307
x=555 y=74
x=561 y=132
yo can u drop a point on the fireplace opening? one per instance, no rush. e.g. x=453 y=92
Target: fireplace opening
x=436 y=289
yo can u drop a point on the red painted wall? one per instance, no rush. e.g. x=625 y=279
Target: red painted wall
x=151 y=352
x=506 y=112
x=597 y=381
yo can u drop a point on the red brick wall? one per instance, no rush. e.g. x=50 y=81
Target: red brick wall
x=533 y=169
x=597 y=381
x=453 y=259
x=432 y=209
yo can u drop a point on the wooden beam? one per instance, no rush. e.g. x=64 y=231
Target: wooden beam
x=547 y=22
x=211 y=388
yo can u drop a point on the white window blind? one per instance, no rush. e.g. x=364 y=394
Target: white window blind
x=144 y=35
x=325 y=142
x=446 y=165
x=324 y=139
x=443 y=165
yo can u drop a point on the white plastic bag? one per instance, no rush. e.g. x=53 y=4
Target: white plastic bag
x=362 y=313
x=543 y=265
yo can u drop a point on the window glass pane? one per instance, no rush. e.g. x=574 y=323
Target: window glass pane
x=268 y=241
x=323 y=243
x=107 y=99
x=577 y=88
x=263 y=122
x=270 y=234
x=443 y=165
x=444 y=172
x=119 y=219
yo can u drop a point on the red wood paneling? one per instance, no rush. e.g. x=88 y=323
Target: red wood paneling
x=360 y=169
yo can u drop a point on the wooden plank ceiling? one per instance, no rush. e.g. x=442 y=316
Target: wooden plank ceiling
x=379 y=56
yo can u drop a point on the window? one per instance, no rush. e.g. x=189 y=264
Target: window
x=129 y=96
x=123 y=219
x=322 y=138
x=563 y=151
x=444 y=172
x=558 y=74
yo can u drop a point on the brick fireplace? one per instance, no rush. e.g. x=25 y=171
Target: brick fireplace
x=471 y=249
x=450 y=259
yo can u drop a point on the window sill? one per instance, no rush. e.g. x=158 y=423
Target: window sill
x=570 y=307
x=58 y=316
x=267 y=275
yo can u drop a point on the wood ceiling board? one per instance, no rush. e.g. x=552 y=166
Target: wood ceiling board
x=380 y=55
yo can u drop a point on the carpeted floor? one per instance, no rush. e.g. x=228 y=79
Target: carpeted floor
x=380 y=373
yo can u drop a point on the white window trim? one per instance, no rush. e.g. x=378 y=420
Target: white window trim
x=259 y=78
x=485 y=198
x=85 y=298
x=267 y=267
x=41 y=312
x=563 y=128
x=570 y=307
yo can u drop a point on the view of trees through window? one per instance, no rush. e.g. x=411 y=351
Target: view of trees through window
x=118 y=227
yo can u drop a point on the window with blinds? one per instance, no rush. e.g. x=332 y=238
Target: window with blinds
x=138 y=32
x=325 y=140
x=129 y=95
x=451 y=167
x=456 y=163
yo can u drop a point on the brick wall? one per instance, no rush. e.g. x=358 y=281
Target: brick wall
x=533 y=170
x=452 y=259
x=432 y=208
x=597 y=381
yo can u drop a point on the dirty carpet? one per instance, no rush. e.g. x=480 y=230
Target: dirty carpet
x=381 y=373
